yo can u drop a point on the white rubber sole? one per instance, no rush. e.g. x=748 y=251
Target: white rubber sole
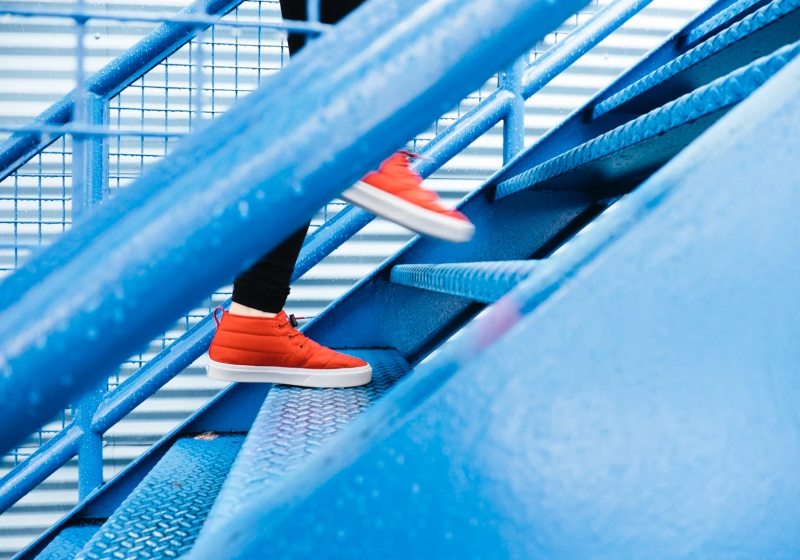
x=301 y=377
x=408 y=215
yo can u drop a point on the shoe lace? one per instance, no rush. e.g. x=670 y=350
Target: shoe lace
x=291 y=321
x=414 y=155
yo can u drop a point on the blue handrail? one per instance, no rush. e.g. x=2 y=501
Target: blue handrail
x=80 y=315
x=171 y=361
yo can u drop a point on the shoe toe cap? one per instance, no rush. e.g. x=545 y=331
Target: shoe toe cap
x=345 y=361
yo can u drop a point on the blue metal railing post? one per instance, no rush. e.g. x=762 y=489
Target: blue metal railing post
x=514 y=121
x=249 y=176
x=90 y=447
x=89 y=181
x=89 y=155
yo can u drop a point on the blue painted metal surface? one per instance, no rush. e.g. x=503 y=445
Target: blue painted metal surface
x=89 y=186
x=514 y=121
x=294 y=424
x=162 y=516
x=233 y=410
x=45 y=461
x=360 y=218
x=90 y=158
x=324 y=240
x=564 y=53
x=636 y=149
x=757 y=35
x=482 y=281
x=183 y=208
x=657 y=390
x=736 y=11
x=69 y=542
x=110 y=80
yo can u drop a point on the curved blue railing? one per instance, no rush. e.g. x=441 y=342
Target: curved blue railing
x=505 y=104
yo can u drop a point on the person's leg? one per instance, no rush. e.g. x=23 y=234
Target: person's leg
x=256 y=340
x=262 y=290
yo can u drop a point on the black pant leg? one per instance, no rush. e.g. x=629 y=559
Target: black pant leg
x=266 y=285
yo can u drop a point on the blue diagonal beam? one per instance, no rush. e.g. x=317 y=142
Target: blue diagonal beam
x=482 y=281
x=232 y=191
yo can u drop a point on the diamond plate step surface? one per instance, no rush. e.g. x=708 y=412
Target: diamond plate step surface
x=163 y=515
x=293 y=424
x=482 y=281
x=69 y=542
x=740 y=44
x=609 y=163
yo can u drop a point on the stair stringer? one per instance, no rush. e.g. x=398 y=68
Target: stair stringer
x=637 y=397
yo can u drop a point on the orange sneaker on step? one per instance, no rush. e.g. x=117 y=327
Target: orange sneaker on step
x=395 y=192
x=271 y=350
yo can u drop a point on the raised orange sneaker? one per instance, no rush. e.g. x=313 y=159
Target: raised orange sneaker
x=395 y=192
x=271 y=350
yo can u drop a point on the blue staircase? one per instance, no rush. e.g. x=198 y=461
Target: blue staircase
x=628 y=390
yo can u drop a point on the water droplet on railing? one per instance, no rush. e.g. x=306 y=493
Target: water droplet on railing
x=96 y=36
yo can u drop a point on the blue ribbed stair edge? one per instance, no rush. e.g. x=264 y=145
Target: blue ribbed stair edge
x=720 y=19
x=162 y=517
x=292 y=424
x=481 y=281
x=738 y=31
x=69 y=542
x=719 y=94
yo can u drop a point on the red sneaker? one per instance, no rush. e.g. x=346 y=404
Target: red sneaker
x=395 y=192
x=271 y=350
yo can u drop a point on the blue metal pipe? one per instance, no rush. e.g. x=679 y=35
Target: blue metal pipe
x=514 y=121
x=349 y=221
x=109 y=81
x=323 y=241
x=90 y=158
x=155 y=374
x=561 y=55
x=242 y=183
x=42 y=463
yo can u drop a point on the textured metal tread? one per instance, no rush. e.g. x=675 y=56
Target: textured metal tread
x=717 y=96
x=712 y=47
x=481 y=281
x=293 y=423
x=714 y=23
x=163 y=515
x=69 y=542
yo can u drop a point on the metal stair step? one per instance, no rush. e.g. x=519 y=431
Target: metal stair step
x=614 y=162
x=757 y=35
x=163 y=515
x=727 y=17
x=481 y=281
x=293 y=424
x=69 y=542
